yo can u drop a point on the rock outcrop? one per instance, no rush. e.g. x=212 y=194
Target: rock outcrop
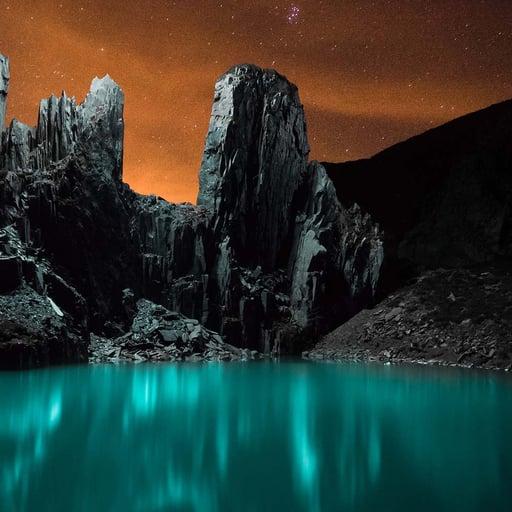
x=43 y=319
x=443 y=201
x=261 y=259
x=277 y=252
x=254 y=162
x=281 y=268
x=61 y=187
x=62 y=197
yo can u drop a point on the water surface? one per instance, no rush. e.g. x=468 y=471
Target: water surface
x=255 y=437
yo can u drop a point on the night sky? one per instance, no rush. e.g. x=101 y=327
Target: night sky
x=370 y=73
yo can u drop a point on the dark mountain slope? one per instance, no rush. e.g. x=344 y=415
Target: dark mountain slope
x=443 y=197
x=443 y=200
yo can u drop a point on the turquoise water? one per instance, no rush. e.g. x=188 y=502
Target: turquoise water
x=255 y=437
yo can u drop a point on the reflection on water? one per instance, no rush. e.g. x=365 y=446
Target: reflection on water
x=254 y=437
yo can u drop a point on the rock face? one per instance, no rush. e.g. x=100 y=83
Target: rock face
x=34 y=330
x=61 y=187
x=263 y=259
x=277 y=252
x=4 y=88
x=254 y=162
x=281 y=268
x=62 y=197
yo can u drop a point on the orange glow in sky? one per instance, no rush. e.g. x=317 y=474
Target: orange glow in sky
x=369 y=73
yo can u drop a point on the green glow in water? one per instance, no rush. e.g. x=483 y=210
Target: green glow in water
x=255 y=437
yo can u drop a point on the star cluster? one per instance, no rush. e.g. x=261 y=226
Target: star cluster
x=293 y=14
x=370 y=73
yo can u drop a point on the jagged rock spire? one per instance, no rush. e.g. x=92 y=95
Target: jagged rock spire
x=254 y=161
x=57 y=129
x=4 y=88
x=101 y=121
x=268 y=256
x=96 y=126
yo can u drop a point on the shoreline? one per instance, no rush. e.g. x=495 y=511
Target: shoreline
x=311 y=356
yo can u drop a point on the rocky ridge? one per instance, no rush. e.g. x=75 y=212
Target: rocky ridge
x=259 y=260
x=262 y=256
x=278 y=251
x=443 y=202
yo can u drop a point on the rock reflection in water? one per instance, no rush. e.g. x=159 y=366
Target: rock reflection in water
x=260 y=436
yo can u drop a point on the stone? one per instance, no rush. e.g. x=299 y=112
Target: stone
x=393 y=313
x=4 y=89
x=461 y=333
x=156 y=335
x=34 y=332
x=54 y=306
x=254 y=161
x=168 y=336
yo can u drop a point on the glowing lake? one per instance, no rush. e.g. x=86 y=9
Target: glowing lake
x=292 y=436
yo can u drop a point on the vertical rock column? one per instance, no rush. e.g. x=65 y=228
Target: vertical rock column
x=57 y=129
x=254 y=162
x=101 y=125
x=4 y=87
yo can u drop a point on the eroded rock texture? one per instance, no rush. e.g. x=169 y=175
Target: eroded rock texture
x=62 y=197
x=254 y=162
x=283 y=258
x=43 y=319
x=278 y=250
x=263 y=259
x=4 y=88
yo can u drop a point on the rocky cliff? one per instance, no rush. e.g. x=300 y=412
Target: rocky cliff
x=277 y=252
x=65 y=217
x=4 y=87
x=443 y=200
x=284 y=267
x=268 y=258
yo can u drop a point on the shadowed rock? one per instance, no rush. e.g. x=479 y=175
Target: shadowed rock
x=254 y=161
x=4 y=88
x=273 y=256
x=443 y=197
